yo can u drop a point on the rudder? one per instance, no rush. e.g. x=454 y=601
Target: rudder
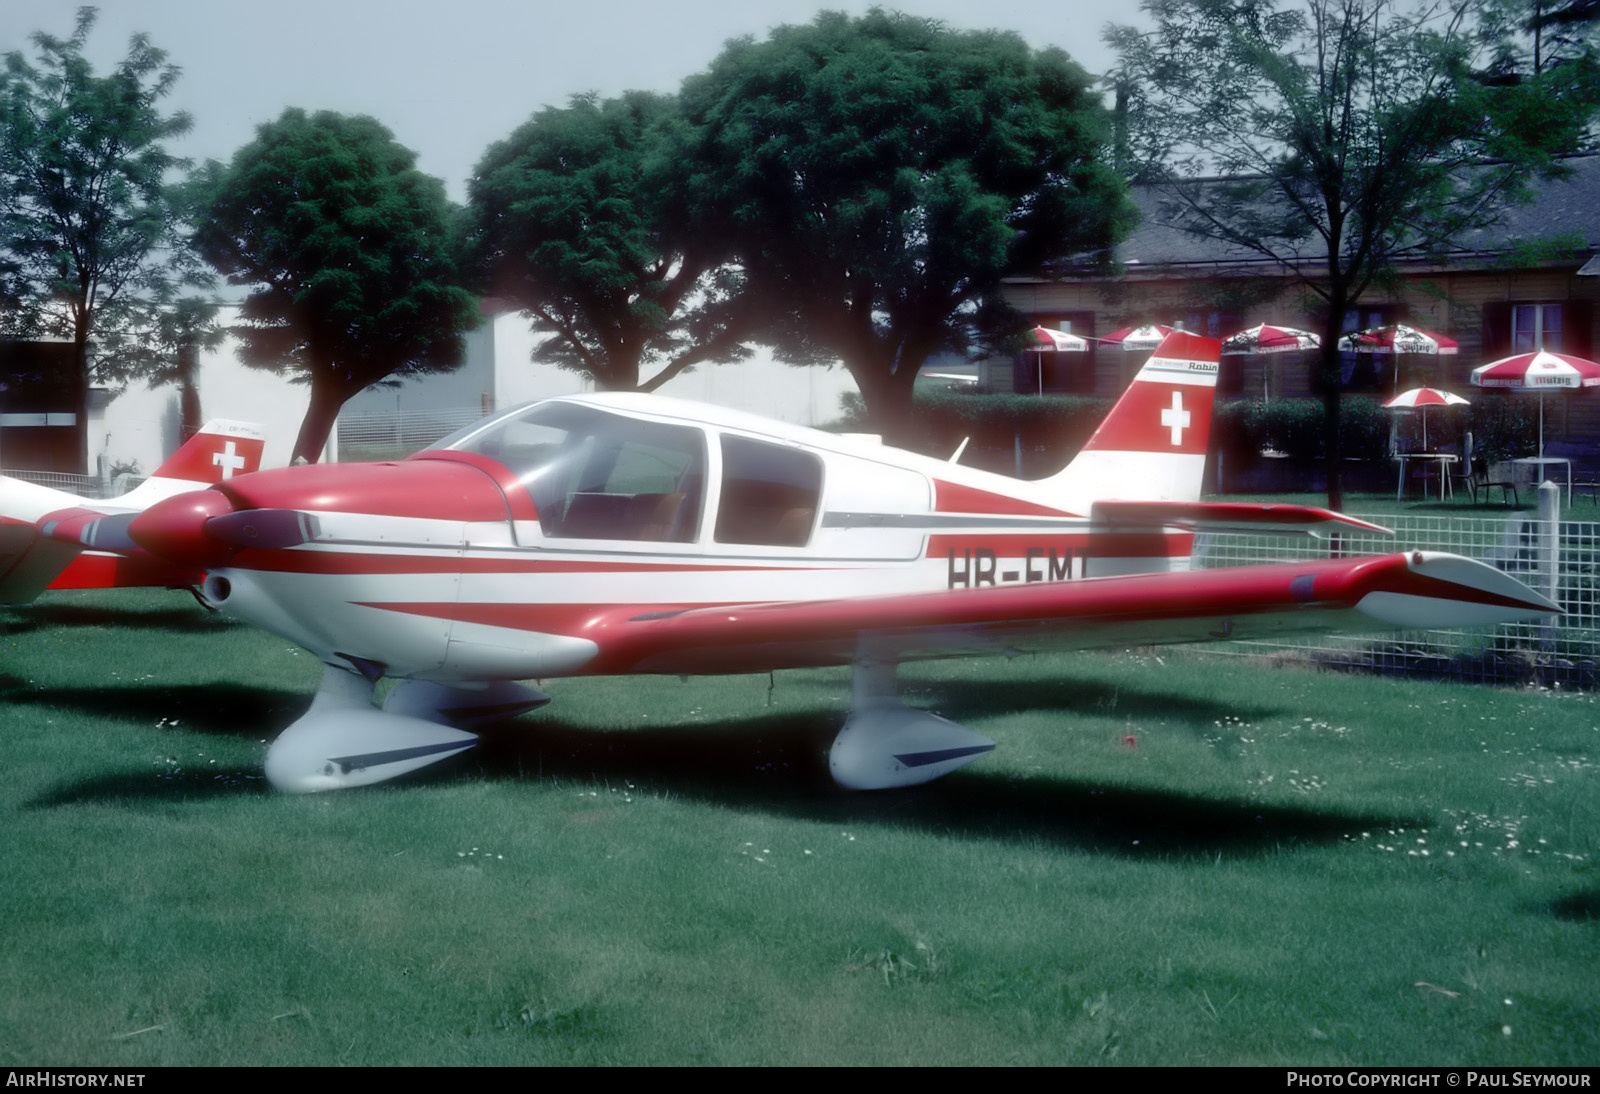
x=1152 y=446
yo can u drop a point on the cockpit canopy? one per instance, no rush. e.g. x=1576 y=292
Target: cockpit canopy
x=596 y=474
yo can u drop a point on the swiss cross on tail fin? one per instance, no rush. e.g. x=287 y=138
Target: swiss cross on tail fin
x=1167 y=408
x=221 y=450
x=1152 y=446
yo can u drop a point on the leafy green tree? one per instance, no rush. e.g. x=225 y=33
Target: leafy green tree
x=90 y=240
x=1337 y=139
x=876 y=179
x=351 y=252
x=579 y=218
x=1531 y=36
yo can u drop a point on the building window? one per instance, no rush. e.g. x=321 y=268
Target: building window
x=1535 y=327
x=1566 y=326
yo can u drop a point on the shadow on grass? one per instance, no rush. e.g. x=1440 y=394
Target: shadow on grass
x=236 y=710
x=776 y=763
x=232 y=710
x=1581 y=907
x=779 y=764
x=1081 y=698
x=188 y=619
x=158 y=787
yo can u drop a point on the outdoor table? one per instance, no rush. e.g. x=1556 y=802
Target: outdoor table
x=1540 y=462
x=1444 y=459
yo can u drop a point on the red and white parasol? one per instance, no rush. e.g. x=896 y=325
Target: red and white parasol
x=1043 y=340
x=1138 y=339
x=1540 y=371
x=1046 y=340
x=1266 y=338
x=1421 y=398
x=1396 y=338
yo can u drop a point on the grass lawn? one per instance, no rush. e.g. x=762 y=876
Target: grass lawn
x=1169 y=859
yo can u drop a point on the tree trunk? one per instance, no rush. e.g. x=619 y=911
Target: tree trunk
x=887 y=396
x=80 y=398
x=327 y=396
x=1331 y=384
x=189 y=414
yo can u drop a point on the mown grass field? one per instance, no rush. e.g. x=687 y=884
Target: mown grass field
x=1170 y=859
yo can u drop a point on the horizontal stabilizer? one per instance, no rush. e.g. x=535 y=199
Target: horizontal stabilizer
x=1231 y=516
x=28 y=561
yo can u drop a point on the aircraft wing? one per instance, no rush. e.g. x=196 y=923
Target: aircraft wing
x=1415 y=589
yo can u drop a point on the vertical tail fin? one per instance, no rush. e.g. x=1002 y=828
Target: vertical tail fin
x=1152 y=446
x=221 y=450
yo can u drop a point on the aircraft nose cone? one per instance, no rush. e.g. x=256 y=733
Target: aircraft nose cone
x=174 y=529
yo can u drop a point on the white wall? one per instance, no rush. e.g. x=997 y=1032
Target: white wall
x=142 y=423
x=499 y=370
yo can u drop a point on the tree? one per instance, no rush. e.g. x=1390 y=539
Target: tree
x=579 y=217
x=350 y=248
x=1531 y=36
x=1338 y=138
x=90 y=241
x=878 y=177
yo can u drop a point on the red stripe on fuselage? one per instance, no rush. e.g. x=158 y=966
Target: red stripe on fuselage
x=1084 y=545
x=317 y=561
x=95 y=571
x=950 y=497
x=569 y=619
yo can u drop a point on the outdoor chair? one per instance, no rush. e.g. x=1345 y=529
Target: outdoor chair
x=1424 y=476
x=1501 y=475
x=1465 y=472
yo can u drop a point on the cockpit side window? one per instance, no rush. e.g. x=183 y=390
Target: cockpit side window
x=769 y=493
x=596 y=475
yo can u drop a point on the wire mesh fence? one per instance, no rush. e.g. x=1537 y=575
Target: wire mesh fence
x=1560 y=559
x=85 y=486
x=395 y=436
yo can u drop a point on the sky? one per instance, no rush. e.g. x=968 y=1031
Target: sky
x=451 y=77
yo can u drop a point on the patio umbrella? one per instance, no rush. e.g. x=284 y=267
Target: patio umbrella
x=1266 y=338
x=1138 y=339
x=1042 y=340
x=1045 y=340
x=1539 y=371
x=1396 y=338
x=1421 y=398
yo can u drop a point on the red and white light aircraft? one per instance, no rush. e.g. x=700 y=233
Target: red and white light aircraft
x=42 y=538
x=613 y=534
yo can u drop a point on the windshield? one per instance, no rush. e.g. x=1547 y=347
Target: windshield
x=596 y=475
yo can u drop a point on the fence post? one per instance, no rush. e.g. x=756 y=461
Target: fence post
x=1549 y=553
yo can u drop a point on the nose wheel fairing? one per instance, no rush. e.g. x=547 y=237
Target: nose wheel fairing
x=344 y=741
